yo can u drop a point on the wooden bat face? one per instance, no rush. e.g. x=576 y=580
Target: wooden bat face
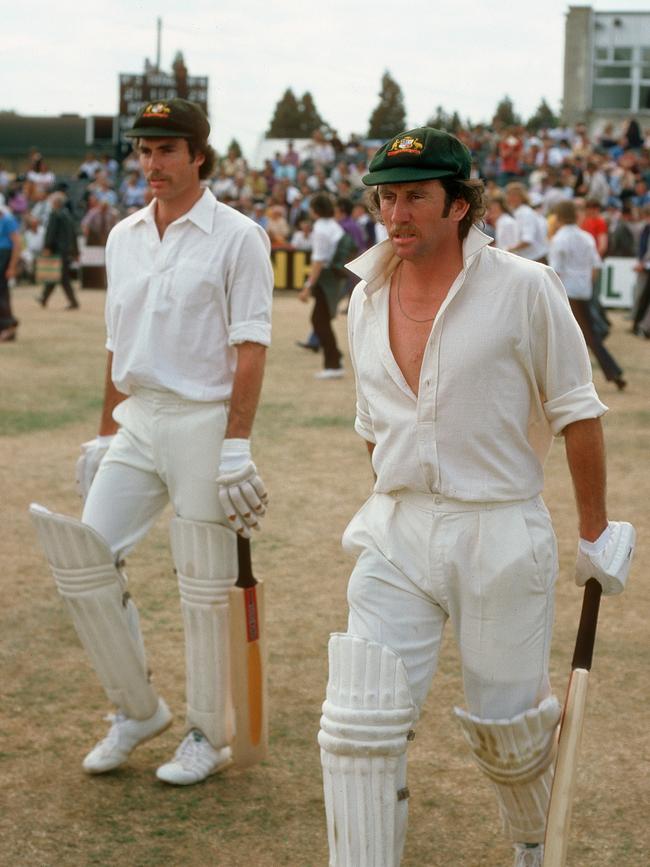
x=255 y=674
x=559 y=814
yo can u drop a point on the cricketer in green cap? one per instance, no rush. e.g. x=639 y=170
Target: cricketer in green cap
x=176 y=118
x=419 y=155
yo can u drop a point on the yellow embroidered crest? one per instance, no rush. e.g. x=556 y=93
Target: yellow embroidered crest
x=156 y=109
x=406 y=145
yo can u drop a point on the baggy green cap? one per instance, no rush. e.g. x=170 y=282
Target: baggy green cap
x=170 y=118
x=419 y=154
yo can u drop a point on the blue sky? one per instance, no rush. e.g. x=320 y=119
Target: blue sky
x=65 y=57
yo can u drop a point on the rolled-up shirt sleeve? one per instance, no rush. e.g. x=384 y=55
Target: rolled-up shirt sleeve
x=250 y=290
x=560 y=358
x=363 y=420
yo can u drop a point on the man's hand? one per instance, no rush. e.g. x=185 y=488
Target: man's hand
x=241 y=490
x=608 y=559
x=304 y=293
x=92 y=453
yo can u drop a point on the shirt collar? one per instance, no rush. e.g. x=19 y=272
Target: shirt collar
x=201 y=213
x=378 y=263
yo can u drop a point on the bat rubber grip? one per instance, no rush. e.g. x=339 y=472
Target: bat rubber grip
x=584 y=647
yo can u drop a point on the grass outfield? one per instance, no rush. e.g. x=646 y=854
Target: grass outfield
x=317 y=471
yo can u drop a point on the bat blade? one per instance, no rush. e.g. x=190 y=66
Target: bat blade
x=559 y=812
x=248 y=664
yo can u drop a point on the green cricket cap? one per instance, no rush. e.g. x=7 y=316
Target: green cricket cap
x=420 y=154
x=170 y=118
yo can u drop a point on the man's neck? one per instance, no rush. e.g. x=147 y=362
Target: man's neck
x=166 y=212
x=435 y=273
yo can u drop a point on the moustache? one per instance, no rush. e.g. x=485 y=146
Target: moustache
x=404 y=229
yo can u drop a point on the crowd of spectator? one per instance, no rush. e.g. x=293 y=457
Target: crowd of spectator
x=606 y=175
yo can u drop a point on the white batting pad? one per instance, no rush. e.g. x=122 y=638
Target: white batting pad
x=365 y=726
x=517 y=757
x=106 y=620
x=205 y=556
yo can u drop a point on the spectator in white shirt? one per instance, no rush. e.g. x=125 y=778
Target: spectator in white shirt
x=531 y=243
x=506 y=233
x=324 y=239
x=573 y=256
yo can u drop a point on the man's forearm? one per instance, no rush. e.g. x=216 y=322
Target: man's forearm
x=112 y=397
x=314 y=273
x=585 y=450
x=246 y=389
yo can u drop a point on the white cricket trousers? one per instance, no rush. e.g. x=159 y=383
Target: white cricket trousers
x=488 y=567
x=167 y=449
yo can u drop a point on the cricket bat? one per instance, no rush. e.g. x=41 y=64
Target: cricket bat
x=559 y=811
x=248 y=662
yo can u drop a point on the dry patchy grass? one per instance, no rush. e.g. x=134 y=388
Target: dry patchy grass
x=317 y=471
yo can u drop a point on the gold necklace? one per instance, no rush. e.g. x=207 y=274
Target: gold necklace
x=399 y=302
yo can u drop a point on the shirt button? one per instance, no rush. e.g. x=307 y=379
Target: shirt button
x=437 y=500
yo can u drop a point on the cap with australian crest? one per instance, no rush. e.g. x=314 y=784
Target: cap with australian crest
x=419 y=154
x=170 y=118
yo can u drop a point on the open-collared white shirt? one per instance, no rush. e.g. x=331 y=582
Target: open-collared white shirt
x=176 y=307
x=505 y=368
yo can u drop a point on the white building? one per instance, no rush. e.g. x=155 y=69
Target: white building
x=606 y=67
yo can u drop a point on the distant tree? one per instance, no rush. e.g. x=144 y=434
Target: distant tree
x=235 y=146
x=455 y=123
x=310 y=119
x=448 y=122
x=505 y=114
x=544 y=118
x=287 y=118
x=439 y=120
x=295 y=118
x=389 y=117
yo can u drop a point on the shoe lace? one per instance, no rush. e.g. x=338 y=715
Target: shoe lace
x=115 y=719
x=189 y=746
x=529 y=856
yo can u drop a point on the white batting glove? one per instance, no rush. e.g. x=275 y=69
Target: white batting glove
x=608 y=559
x=88 y=462
x=241 y=490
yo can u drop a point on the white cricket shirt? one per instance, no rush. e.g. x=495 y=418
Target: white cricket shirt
x=573 y=255
x=177 y=306
x=505 y=368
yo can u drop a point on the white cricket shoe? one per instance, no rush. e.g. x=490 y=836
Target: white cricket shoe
x=123 y=737
x=528 y=855
x=330 y=373
x=194 y=760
